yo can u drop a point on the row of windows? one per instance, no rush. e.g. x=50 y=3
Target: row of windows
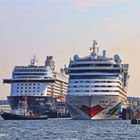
x=28 y=87
x=96 y=70
x=32 y=94
x=93 y=91
x=21 y=77
x=92 y=86
x=95 y=65
x=30 y=70
x=21 y=91
x=40 y=74
x=26 y=84
x=94 y=82
x=93 y=76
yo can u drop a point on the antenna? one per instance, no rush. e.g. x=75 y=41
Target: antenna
x=34 y=61
x=94 y=48
x=94 y=43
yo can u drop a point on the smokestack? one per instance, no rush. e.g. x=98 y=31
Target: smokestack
x=49 y=62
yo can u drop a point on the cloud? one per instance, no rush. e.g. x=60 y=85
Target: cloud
x=84 y=4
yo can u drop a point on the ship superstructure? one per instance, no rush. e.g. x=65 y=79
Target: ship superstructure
x=97 y=87
x=42 y=86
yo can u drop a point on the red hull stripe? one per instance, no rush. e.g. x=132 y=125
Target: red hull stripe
x=91 y=111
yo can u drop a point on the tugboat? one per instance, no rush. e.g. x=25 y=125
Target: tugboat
x=135 y=121
x=22 y=112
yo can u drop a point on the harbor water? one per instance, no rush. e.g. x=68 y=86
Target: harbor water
x=68 y=129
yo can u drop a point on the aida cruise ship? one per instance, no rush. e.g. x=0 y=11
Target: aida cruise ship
x=45 y=89
x=97 y=86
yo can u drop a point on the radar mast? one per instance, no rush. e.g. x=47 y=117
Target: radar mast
x=94 y=49
x=34 y=61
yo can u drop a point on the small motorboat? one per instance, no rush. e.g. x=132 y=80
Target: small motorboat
x=135 y=121
x=11 y=116
x=22 y=113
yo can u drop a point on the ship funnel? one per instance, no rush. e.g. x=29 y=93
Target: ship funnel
x=50 y=62
x=104 y=53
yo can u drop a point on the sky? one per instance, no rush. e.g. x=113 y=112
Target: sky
x=63 y=28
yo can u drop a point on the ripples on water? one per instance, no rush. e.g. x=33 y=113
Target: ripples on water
x=67 y=129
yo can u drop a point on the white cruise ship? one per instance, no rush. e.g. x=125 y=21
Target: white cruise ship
x=45 y=89
x=97 y=86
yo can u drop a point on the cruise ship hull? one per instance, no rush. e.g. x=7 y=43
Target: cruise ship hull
x=38 y=104
x=94 y=106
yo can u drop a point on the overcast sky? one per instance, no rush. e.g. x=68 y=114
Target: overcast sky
x=63 y=28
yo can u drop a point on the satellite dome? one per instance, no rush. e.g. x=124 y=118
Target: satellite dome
x=117 y=58
x=76 y=57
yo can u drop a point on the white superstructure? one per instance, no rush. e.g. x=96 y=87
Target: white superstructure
x=36 y=80
x=97 y=85
x=41 y=84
